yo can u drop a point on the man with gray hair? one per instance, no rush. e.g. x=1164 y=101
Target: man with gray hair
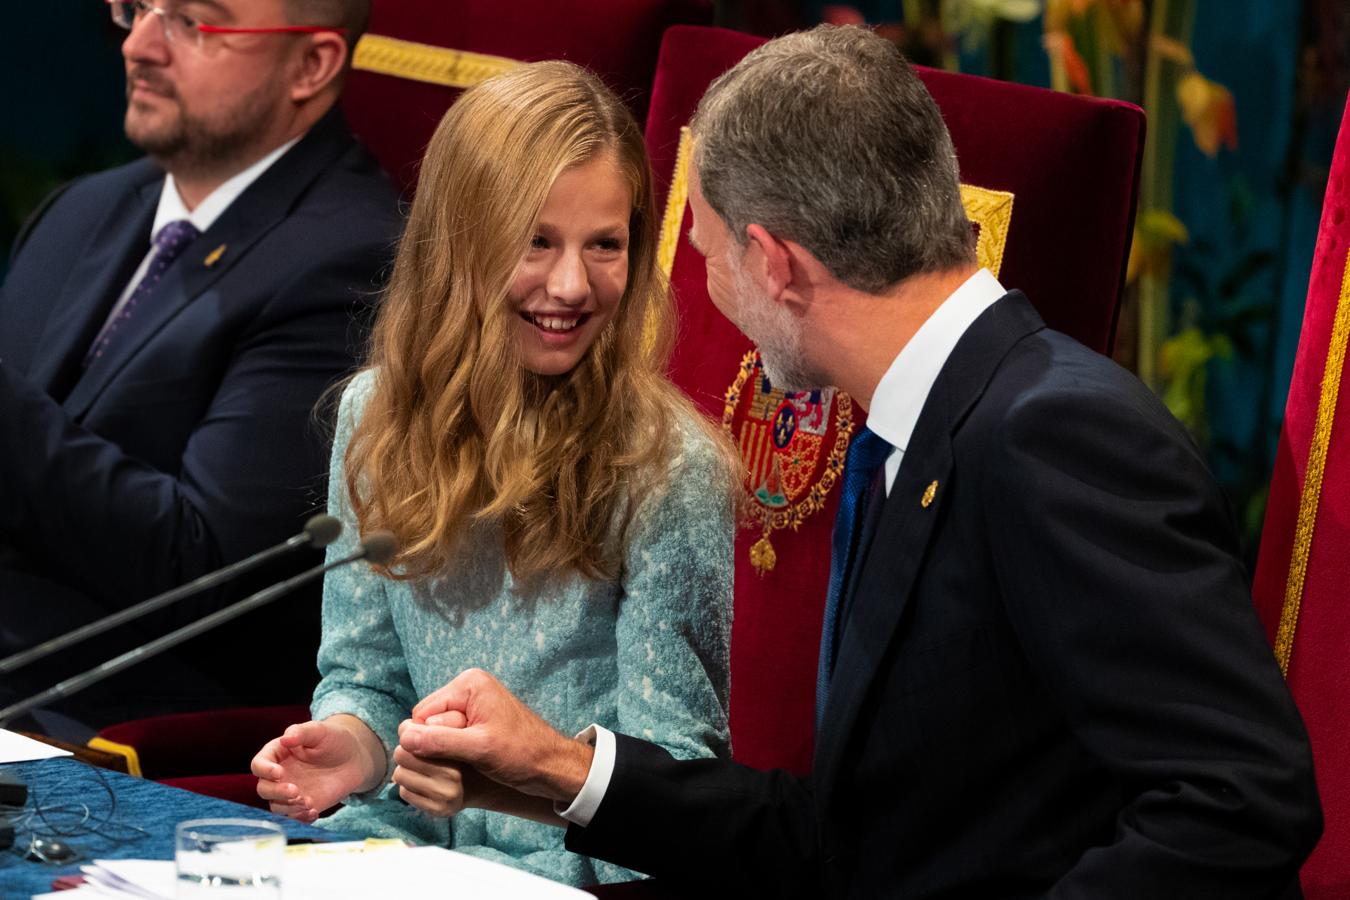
x=1040 y=671
x=166 y=329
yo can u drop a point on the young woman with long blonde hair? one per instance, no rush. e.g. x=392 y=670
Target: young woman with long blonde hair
x=564 y=513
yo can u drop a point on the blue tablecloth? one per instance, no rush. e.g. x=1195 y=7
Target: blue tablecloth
x=154 y=808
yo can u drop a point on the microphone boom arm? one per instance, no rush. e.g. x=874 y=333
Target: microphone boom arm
x=79 y=682
x=319 y=531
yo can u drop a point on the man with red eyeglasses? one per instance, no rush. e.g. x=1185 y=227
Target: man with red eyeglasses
x=166 y=329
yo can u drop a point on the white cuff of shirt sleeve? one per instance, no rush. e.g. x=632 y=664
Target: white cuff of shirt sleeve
x=597 y=779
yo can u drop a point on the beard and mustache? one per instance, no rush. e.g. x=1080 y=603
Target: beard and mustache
x=777 y=334
x=189 y=141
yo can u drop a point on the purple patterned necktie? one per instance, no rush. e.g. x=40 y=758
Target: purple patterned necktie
x=169 y=243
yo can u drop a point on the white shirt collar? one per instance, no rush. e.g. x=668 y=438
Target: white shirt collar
x=171 y=206
x=902 y=391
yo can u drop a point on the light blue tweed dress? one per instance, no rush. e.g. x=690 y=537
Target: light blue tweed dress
x=647 y=656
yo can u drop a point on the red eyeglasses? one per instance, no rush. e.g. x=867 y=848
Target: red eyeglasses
x=186 y=30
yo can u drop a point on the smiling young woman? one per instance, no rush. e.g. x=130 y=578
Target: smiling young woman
x=572 y=278
x=510 y=379
x=565 y=515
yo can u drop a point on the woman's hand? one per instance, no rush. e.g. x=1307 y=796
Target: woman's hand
x=313 y=765
x=444 y=787
x=435 y=786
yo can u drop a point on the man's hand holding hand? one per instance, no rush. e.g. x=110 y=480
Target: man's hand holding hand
x=476 y=721
x=443 y=787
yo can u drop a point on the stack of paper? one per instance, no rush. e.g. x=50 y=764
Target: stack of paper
x=338 y=872
x=14 y=747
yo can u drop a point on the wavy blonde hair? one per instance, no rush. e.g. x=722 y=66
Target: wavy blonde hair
x=456 y=432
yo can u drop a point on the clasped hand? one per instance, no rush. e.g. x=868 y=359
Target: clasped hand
x=314 y=765
x=500 y=737
x=470 y=743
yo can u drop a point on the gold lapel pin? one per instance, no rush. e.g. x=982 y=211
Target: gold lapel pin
x=214 y=256
x=928 y=494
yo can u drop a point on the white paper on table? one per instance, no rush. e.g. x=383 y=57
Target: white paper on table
x=146 y=879
x=359 y=876
x=14 y=748
x=155 y=879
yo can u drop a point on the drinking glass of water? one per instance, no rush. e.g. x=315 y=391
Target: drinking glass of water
x=229 y=858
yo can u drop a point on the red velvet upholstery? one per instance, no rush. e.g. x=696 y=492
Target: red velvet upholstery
x=1307 y=533
x=617 y=39
x=209 y=743
x=1072 y=164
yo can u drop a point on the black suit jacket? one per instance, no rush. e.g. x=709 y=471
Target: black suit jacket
x=1051 y=682
x=190 y=443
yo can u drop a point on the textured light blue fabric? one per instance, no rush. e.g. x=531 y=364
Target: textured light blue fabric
x=647 y=656
x=865 y=455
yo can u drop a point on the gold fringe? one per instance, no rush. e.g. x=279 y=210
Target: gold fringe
x=675 y=203
x=669 y=242
x=427 y=63
x=1312 y=484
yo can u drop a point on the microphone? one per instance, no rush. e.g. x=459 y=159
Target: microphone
x=320 y=531
x=378 y=549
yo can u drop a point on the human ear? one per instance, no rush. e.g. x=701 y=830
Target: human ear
x=322 y=61
x=771 y=256
x=790 y=271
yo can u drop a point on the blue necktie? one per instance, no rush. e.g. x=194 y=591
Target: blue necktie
x=865 y=455
x=171 y=240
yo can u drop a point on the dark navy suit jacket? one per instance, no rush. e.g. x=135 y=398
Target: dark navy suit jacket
x=191 y=442
x=1051 y=682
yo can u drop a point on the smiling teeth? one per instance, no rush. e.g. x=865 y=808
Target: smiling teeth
x=552 y=323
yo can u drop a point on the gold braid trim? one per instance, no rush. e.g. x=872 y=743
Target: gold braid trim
x=427 y=63
x=992 y=211
x=669 y=242
x=675 y=201
x=1312 y=485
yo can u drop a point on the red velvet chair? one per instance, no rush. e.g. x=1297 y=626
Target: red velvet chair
x=1050 y=180
x=1304 y=566
x=207 y=752
x=417 y=57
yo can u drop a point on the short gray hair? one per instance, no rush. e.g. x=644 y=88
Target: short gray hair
x=828 y=138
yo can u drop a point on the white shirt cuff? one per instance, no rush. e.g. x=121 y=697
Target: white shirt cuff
x=597 y=779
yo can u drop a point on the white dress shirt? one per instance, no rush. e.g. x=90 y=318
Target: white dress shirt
x=171 y=209
x=892 y=414
x=903 y=390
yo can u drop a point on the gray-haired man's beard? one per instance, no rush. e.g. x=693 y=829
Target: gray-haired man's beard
x=777 y=335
